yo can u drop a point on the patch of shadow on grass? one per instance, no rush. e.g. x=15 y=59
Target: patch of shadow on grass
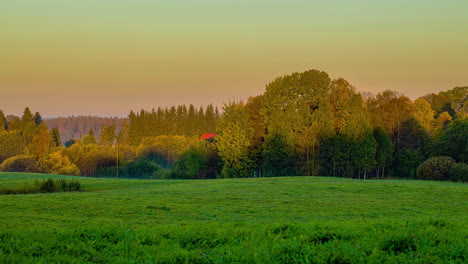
x=162 y=208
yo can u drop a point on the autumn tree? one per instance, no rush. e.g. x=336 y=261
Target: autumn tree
x=3 y=122
x=55 y=134
x=389 y=110
x=107 y=134
x=41 y=144
x=424 y=114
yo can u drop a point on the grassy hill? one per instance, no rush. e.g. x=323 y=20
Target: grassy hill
x=263 y=220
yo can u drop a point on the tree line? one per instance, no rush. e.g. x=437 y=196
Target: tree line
x=303 y=124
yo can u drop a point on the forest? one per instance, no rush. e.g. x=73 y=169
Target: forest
x=304 y=124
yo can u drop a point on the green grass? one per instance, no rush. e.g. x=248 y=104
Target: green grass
x=266 y=220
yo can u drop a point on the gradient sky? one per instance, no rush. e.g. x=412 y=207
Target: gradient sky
x=107 y=57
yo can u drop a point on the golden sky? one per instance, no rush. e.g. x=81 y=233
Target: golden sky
x=107 y=57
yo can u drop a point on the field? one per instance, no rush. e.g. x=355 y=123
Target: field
x=261 y=220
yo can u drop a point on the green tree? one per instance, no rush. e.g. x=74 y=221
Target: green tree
x=453 y=141
x=291 y=105
x=234 y=140
x=192 y=164
x=384 y=151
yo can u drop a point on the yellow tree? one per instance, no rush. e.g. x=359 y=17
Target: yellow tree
x=389 y=110
x=423 y=113
x=41 y=144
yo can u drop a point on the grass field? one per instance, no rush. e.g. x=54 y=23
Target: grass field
x=263 y=220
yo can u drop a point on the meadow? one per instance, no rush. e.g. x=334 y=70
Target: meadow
x=255 y=220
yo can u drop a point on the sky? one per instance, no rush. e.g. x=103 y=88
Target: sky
x=107 y=57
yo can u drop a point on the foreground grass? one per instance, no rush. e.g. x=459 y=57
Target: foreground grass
x=270 y=220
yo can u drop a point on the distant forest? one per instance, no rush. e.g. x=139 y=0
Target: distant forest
x=303 y=124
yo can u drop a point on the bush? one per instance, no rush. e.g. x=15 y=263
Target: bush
x=21 y=163
x=45 y=186
x=459 y=172
x=142 y=169
x=58 y=185
x=436 y=168
x=56 y=163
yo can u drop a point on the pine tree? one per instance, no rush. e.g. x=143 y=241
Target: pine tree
x=26 y=119
x=55 y=134
x=3 y=122
x=37 y=118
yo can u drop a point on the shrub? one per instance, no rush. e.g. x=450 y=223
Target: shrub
x=436 y=168
x=459 y=172
x=46 y=186
x=56 y=163
x=58 y=185
x=142 y=169
x=21 y=163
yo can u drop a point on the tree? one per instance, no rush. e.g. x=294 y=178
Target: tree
x=11 y=144
x=291 y=105
x=279 y=157
x=41 y=144
x=88 y=140
x=26 y=119
x=257 y=122
x=14 y=123
x=234 y=140
x=163 y=150
x=453 y=141
x=389 y=110
x=364 y=155
x=424 y=114
x=37 y=118
x=55 y=134
x=3 y=122
x=192 y=163
x=384 y=151
x=107 y=134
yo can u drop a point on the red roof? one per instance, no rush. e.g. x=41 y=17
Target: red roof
x=208 y=136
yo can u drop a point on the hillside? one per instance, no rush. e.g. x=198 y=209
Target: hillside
x=291 y=218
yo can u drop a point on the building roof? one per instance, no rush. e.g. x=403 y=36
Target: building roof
x=208 y=136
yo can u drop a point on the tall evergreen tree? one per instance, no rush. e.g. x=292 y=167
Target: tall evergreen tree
x=37 y=118
x=3 y=122
x=26 y=119
x=55 y=134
